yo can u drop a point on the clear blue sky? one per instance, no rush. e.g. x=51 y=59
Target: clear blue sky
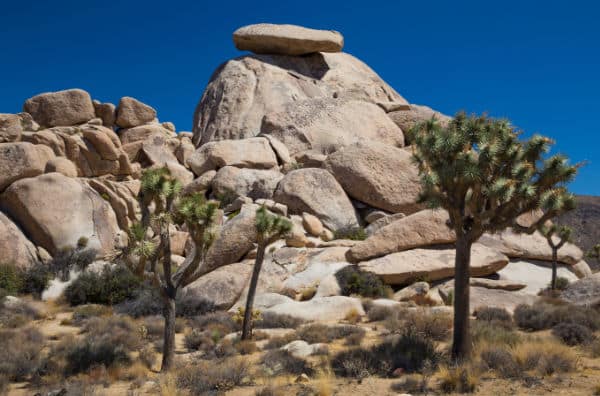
x=537 y=63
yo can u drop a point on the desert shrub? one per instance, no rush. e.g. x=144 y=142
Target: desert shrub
x=18 y=314
x=270 y=320
x=35 y=280
x=246 y=347
x=544 y=356
x=556 y=362
x=320 y=333
x=280 y=362
x=545 y=316
x=204 y=378
x=355 y=339
x=83 y=312
x=20 y=353
x=410 y=351
x=352 y=232
x=561 y=283
x=594 y=348
x=490 y=333
x=572 y=333
x=147 y=357
x=11 y=280
x=195 y=339
x=278 y=342
x=111 y=286
x=188 y=306
x=495 y=315
x=219 y=320
x=146 y=302
x=354 y=281
x=499 y=359
x=68 y=259
x=458 y=379
x=89 y=353
x=375 y=313
x=434 y=325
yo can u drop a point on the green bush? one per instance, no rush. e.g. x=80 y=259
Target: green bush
x=562 y=283
x=353 y=233
x=111 y=286
x=489 y=333
x=36 y=280
x=11 y=280
x=354 y=281
x=572 y=333
x=434 y=325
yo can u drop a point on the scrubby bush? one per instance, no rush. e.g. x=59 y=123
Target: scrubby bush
x=209 y=378
x=434 y=325
x=147 y=301
x=36 y=279
x=280 y=362
x=458 y=379
x=84 y=312
x=355 y=339
x=11 y=280
x=499 y=359
x=572 y=333
x=111 y=286
x=320 y=333
x=494 y=315
x=20 y=353
x=562 y=283
x=18 y=314
x=354 y=281
x=542 y=316
x=352 y=232
x=278 y=342
x=410 y=351
x=271 y=320
x=68 y=259
x=489 y=333
x=375 y=313
x=217 y=320
x=245 y=347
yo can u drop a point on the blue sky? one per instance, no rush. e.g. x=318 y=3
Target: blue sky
x=535 y=63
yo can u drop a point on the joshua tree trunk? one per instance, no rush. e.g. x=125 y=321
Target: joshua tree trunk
x=169 y=333
x=554 y=260
x=461 y=343
x=247 y=325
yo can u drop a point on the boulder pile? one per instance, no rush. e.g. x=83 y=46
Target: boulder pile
x=298 y=126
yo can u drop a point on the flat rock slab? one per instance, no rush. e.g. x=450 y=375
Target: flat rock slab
x=266 y=38
x=535 y=275
x=431 y=264
x=322 y=309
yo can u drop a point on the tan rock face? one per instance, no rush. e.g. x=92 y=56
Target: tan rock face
x=122 y=197
x=245 y=89
x=55 y=211
x=16 y=249
x=326 y=125
x=377 y=174
x=141 y=133
x=320 y=309
x=131 y=113
x=248 y=153
x=253 y=183
x=201 y=183
x=267 y=38
x=20 y=160
x=61 y=165
x=408 y=118
x=316 y=192
x=62 y=108
x=10 y=128
x=424 y=228
x=312 y=224
x=107 y=112
x=431 y=264
x=533 y=247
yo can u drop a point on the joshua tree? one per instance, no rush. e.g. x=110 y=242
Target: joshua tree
x=149 y=243
x=478 y=170
x=564 y=235
x=269 y=228
x=595 y=252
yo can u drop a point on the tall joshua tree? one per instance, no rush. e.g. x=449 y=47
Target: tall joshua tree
x=478 y=170
x=564 y=234
x=269 y=228
x=149 y=251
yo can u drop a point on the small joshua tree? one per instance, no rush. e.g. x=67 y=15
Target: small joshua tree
x=269 y=228
x=149 y=243
x=595 y=252
x=564 y=234
x=478 y=170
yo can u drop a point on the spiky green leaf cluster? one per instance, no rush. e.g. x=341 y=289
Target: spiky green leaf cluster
x=479 y=170
x=563 y=233
x=270 y=226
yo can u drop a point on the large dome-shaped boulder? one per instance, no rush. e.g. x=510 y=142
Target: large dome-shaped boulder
x=325 y=125
x=316 y=191
x=243 y=90
x=20 y=160
x=253 y=183
x=55 y=211
x=16 y=249
x=62 y=108
x=377 y=174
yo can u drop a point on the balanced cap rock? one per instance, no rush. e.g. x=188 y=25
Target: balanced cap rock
x=266 y=38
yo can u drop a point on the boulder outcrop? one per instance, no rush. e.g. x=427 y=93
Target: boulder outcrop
x=62 y=108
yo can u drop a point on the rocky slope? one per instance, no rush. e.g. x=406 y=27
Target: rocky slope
x=299 y=126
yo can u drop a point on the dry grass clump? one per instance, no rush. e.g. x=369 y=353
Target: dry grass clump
x=83 y=312
x=458 y=379
x=320 y=333
x=18 y=314
x=20 y=353
x=278 y=342
x=202 y=378
x=376 y=313
x=495 y=315
x=434 y=325
x=490 y=333
x=543 y=315
x=270 y=320
x=413 y=384
x=572 y=333
x=245 y=347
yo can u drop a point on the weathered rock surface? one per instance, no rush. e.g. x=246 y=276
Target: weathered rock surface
x=325 y=125
x=267 y=38
x=377 y=174
x=131 y=113
x=10 y=128
x=248 y=153
x=536 y=275
x=302 y=349
x=312 y=276
x=532 y=247
x=320 y=309
x=243 y=90
x=61 y=165
x=253 y=183
x=16 y=249
x=142 y=132
x=20 y=160
x=316 y=191
x=55 y=211
x=431 y=264
x=107 y=112
x=382 y=222
x=501 y=284
x=424 y=228
x=585 y=291
x=312 y=224
x=408 y=118
x=62 y=108
x=201 y=183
